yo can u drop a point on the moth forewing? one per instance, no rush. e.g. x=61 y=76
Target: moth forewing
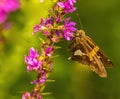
x=105 y=60
x=94 y=61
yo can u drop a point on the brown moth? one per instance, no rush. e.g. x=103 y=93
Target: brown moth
x=85 y=51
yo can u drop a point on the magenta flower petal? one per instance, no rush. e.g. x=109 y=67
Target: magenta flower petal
x=61 y=4
x=32 y=60
x=49 y=21
x=9 y=5
x=33 y=53
x=44 y=24
x=49 y=50
x=69 y=29
x=26 y=95
x=36 y=29
x=40 y=80
x=58 y=32
x=68 y=5
x=72 y=2
x=3 y=16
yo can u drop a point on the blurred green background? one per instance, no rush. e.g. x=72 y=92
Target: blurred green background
x=101 y=21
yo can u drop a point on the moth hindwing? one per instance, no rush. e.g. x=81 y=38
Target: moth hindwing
x=85 y=51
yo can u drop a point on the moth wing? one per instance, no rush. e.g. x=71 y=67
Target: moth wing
x=81 y=56
x=105 y=60
x=79 y=53
x=97 y=66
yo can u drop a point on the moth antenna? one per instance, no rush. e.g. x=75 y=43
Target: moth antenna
x=77 y=14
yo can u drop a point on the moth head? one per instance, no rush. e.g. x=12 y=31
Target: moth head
x=80 y=33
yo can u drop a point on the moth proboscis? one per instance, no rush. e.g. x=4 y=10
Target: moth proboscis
x=86 y=51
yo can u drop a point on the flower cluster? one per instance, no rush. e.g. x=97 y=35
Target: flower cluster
x=69 y=29
x=68 y=5
x=37 y=62
x=52 y=27
x=6 y=7
x=42 y=64
x=32 y=60
x=55 y=28
x=27 y=95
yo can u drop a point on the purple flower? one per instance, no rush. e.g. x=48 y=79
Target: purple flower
x=36 y=29
x=3 y=16
x=38 y=96
x=48 y=51
x=58 y=20
x=68 y=5
x=58 y=32
x=72 y=2
x=7 y=6
x=44 y=25
x=49 y=21
x=34 y=95
x=46 y=32
x=69 y=29
x=41 y=79
x=32 y=60
x=26 y=95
